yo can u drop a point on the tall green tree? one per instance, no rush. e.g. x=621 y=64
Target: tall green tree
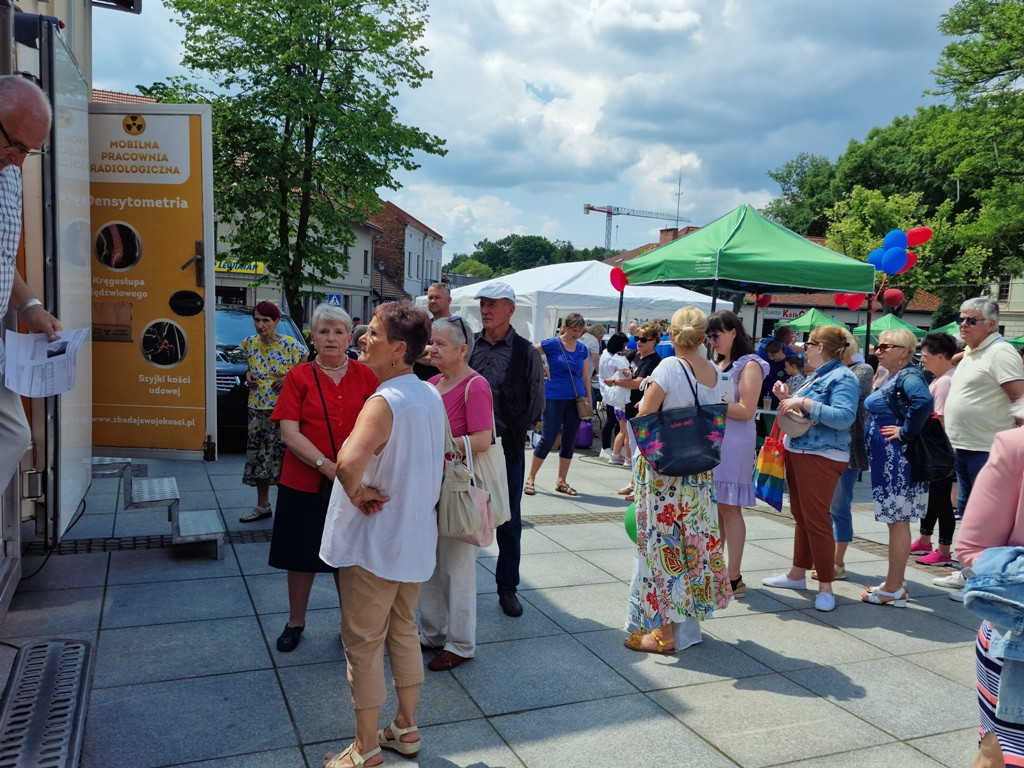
x=305 y=123
x=806 y=183
x=983 y=138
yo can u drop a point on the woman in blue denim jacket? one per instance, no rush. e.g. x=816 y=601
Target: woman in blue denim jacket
x=816 y=459
x=897 y=412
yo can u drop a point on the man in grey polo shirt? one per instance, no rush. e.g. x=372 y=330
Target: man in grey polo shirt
x=513 y=368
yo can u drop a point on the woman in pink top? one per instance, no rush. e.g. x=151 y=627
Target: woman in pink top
x=937 y=350
x=995 y=518
x=448 y=599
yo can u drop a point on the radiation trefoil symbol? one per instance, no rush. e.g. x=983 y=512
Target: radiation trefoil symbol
x=134 y=125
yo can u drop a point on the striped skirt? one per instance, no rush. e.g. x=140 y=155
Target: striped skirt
x=990 y=668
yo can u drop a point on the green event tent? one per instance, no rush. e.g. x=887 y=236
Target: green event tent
x=810 y=320
x=1018 y=342
x=951 y=328
x=887 y=322
x=744 y=251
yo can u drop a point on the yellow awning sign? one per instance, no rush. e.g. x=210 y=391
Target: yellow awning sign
x=240 y=267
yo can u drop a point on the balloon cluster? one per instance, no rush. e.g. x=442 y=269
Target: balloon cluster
x=763 y=300
x=893 y=258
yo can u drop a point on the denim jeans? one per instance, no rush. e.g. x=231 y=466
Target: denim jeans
x=559 y=415
x=611 y=425
x=841 y=510
x=508 y=535
x=968 y=465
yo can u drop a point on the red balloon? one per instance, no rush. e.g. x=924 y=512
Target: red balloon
x=911 y=261
x=763 y=300
x=841 y=298
x=918 y=235
x=854 y=300
x=618 y=278
x=893 y=297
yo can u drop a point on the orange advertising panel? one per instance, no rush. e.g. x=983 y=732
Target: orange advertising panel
x=150 y=215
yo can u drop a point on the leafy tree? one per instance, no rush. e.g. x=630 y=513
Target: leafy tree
x=306 y=131
x=806 y=183
x=471 y=267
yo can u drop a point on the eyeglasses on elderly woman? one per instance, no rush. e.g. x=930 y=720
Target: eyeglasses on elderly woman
x=886 y=347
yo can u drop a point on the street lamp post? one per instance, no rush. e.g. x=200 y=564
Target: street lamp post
x=380 y=281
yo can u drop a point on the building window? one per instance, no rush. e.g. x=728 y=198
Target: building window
x=1004 y=289
x=366 y=263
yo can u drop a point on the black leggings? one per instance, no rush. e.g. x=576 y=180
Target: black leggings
x=940 y=508
x=611 y=426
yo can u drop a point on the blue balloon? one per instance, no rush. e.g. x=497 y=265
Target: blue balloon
x=897 y=238
x=875 y=257
x=894 y=260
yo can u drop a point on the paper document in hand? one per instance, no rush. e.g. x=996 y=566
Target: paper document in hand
x=37 y=367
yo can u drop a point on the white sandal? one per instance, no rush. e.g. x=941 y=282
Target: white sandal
x=256 y=513
x=358 y=760
x=407 y=749
x=896 y=599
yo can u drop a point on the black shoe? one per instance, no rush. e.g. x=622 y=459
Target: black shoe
x=289 y=639
x=510 y=604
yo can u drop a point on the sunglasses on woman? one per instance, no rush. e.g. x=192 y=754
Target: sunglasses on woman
x=643 y=339
x=462 y=325
x=887 y=347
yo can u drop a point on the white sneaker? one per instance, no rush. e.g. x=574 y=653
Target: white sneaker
x=616 y=460
x=627 y=463
x=958 y=595
x=782 y=581
x=606 y=453
x=953 y=581
x=825 y=602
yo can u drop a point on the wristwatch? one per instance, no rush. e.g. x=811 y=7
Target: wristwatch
x=321 y=461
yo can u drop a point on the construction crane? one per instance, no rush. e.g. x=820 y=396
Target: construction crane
x=614 y=210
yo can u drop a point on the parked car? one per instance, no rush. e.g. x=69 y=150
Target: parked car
x=233 y=324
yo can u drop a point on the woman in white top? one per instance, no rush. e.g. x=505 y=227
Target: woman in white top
x=381 y=531
x=679 y=576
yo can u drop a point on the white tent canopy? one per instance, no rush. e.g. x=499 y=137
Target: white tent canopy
x=545 y=295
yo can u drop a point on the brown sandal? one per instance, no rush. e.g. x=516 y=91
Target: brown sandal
x=567 y=489
x=633 y=643
x=529 y=490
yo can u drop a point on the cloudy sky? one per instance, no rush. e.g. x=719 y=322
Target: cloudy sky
x=550 y=104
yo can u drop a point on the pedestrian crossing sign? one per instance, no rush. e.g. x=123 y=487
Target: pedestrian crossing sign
x=334 y=299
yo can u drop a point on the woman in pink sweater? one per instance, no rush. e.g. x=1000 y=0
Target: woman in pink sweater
x=995 y=518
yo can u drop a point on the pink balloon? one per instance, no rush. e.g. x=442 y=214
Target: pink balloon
x=911 y=261
x=854 y=300
x=618 y=278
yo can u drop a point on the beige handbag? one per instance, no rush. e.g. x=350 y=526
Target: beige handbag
x=458 y=509
x=489 y=470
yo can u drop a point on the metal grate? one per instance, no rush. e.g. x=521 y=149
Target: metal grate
x=43 y=708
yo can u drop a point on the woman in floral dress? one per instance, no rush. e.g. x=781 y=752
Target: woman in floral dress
x=680 y=576
x=270 y=355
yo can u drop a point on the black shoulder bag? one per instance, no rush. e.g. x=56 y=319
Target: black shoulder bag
x=682 y=441
x=929 y=453
x=326 y=485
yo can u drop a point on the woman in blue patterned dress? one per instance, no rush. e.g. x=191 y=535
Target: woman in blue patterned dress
x=897 y=411
x=270 y=355
x=679 y=575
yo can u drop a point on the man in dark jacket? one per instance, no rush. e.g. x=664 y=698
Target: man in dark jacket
x=513 y=368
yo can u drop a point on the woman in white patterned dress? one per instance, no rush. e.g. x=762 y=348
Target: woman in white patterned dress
x=680 y=576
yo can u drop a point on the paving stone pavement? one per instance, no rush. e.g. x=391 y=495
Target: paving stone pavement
x=187 y=672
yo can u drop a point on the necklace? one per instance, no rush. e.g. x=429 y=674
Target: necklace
x=344 y=364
